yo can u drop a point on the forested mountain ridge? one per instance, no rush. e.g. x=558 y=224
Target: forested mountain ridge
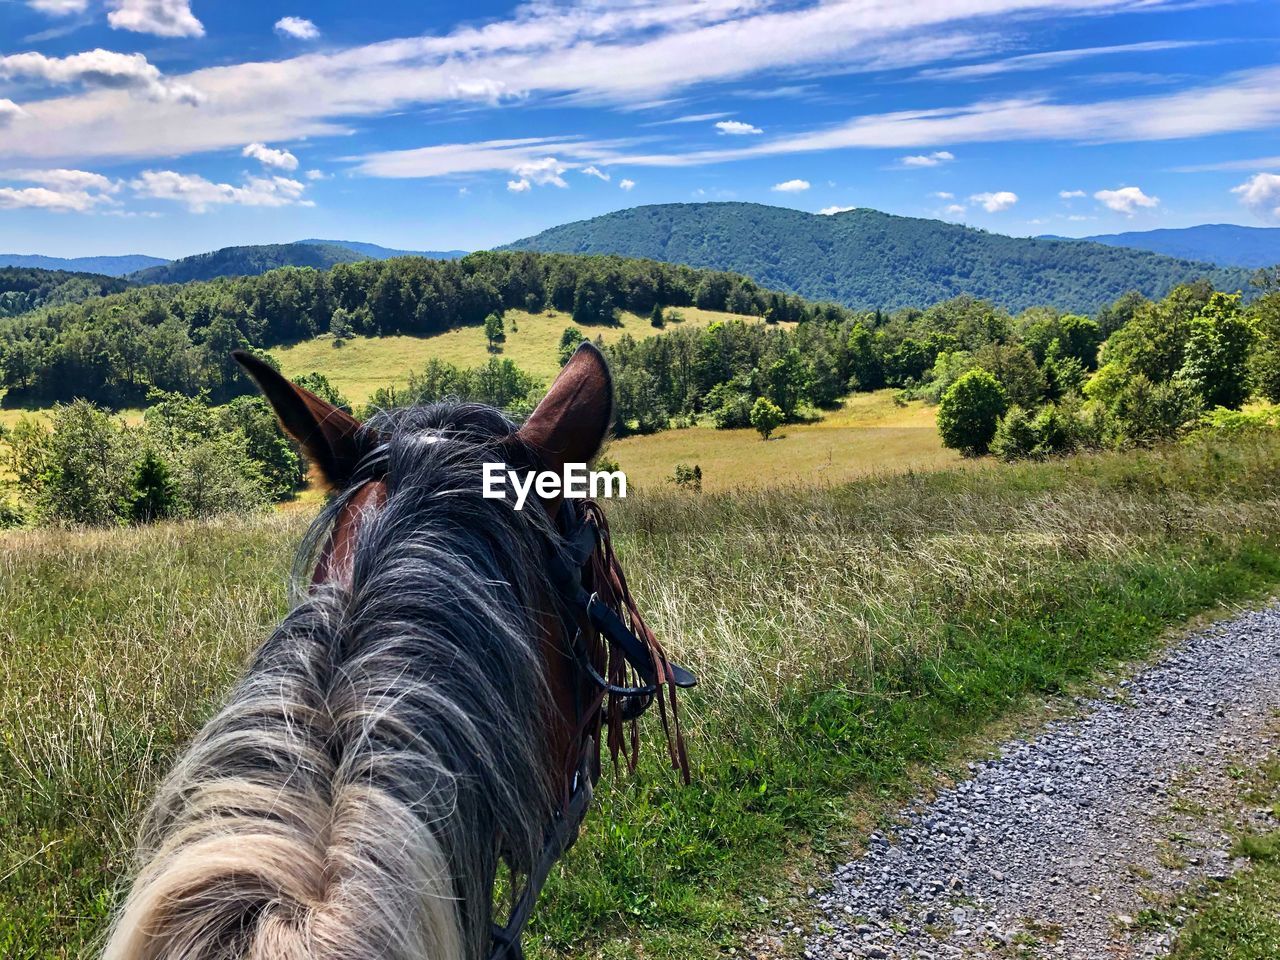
x=866 y=259
x=376 y=251
x=23 y=289
x=1226 y=244
x=247 y=261
x=103 y=266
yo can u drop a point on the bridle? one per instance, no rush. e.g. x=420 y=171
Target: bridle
x=621 y=662
x=620 y=671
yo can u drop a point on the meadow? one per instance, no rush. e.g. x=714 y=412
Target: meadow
x=360 y=365
x=847 y=635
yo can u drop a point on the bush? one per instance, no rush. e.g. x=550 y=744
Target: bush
x=688 y=477
x=11 y=515
x=734 y=413
x=765 y=416
x=1016 y=437
x=569 y=341
x=152 y=493
x=970 y=411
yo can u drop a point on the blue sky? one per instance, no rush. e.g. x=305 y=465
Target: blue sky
x=174 y=126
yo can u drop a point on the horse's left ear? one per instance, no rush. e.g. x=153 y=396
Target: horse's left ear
x=331 y=438
x=573 y=419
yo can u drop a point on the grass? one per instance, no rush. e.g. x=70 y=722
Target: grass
x=869 y=434
x=362 y=365
x=1239 y=919
x=845 y=636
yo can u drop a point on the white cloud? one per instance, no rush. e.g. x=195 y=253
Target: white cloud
x=64 y=179
x=995 y=202
x=59 y=8
x=954 y=210
x=594 y=171
x=626 y=185
x=1070 y=194
x=519 y=186
x=830 y=211
x=297 y=27
x=199 y=194
x=1051 y=58
x=163 y=18
x=688 y=118
x=102 y=69
x=927 y=159
x=1254 y=163
x=9 y=111
x=1125 y=200
x=943 y=195
x=317 y=175
x=791 y=186
x=279 y=159
x=736 y=128
x=547 y=171
x=482 y=89
x=1261 y=194
x=42 y=198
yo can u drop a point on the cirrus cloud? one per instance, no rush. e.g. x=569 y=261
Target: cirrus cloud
x=1125 y=200
x=1261 y=194
x=59 y=8
x=994 y=202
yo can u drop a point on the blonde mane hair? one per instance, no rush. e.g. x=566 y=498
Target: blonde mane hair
x=386 y=748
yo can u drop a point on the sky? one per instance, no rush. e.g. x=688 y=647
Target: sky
x=171 y=127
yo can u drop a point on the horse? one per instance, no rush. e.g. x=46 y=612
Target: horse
x=429 y=715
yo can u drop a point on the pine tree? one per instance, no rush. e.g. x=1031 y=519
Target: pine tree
x=153 y=495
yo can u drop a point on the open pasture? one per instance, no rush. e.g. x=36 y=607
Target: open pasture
x=844 y=635
x=361 y=365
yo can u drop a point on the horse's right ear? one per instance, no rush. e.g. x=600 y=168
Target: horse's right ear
x=330 y=438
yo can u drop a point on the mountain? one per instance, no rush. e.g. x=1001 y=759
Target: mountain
x=103 y=266
x=247 y=261
x=28 y=288
x=375 y=252
x=864 y=258
x=1226 y=244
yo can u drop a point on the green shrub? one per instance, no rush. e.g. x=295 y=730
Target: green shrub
x=153 y=495
x=1016 y=437
x=970 y=411
x=688 y=477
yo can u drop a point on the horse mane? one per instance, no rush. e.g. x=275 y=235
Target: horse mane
x=385 y=749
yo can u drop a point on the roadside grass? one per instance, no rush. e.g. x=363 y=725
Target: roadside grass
x=844 y=635
x=1239 y=919
x=868 y=434
x=363 y=364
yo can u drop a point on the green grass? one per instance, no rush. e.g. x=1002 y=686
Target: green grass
x=1239 y=919
x=844 y=635
x=360 y=366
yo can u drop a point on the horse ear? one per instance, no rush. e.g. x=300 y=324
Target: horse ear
x=573 y=419
x=329 y=437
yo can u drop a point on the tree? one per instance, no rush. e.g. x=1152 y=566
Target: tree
x=765 y=416
x=569 y=341
x=970 y=411
x=1015 y=437
x=493 y=331
x=1266 y=357
x=656 y=319
x=787 y=382
x=1217 y=353
x=153 y=495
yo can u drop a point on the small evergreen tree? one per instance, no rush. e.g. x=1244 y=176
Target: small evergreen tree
x=765 y=416
x=970 y=412
x=656 y=318
x=153 y=495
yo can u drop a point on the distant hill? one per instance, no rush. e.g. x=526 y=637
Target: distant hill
x=23 y=289
x=247 y=262
x=103 y=266
x=1225 y=244
x=864 y=258
x=375 y=252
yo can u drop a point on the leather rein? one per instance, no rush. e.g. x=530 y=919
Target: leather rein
x=620 y=667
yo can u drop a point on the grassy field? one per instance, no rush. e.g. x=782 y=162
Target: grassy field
x=362 y=365
x=845 y=636
x=869 y=434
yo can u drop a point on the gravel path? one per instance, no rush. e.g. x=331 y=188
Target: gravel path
x=1055 y=847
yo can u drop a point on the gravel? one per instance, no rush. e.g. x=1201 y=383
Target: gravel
x=1055 y=847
